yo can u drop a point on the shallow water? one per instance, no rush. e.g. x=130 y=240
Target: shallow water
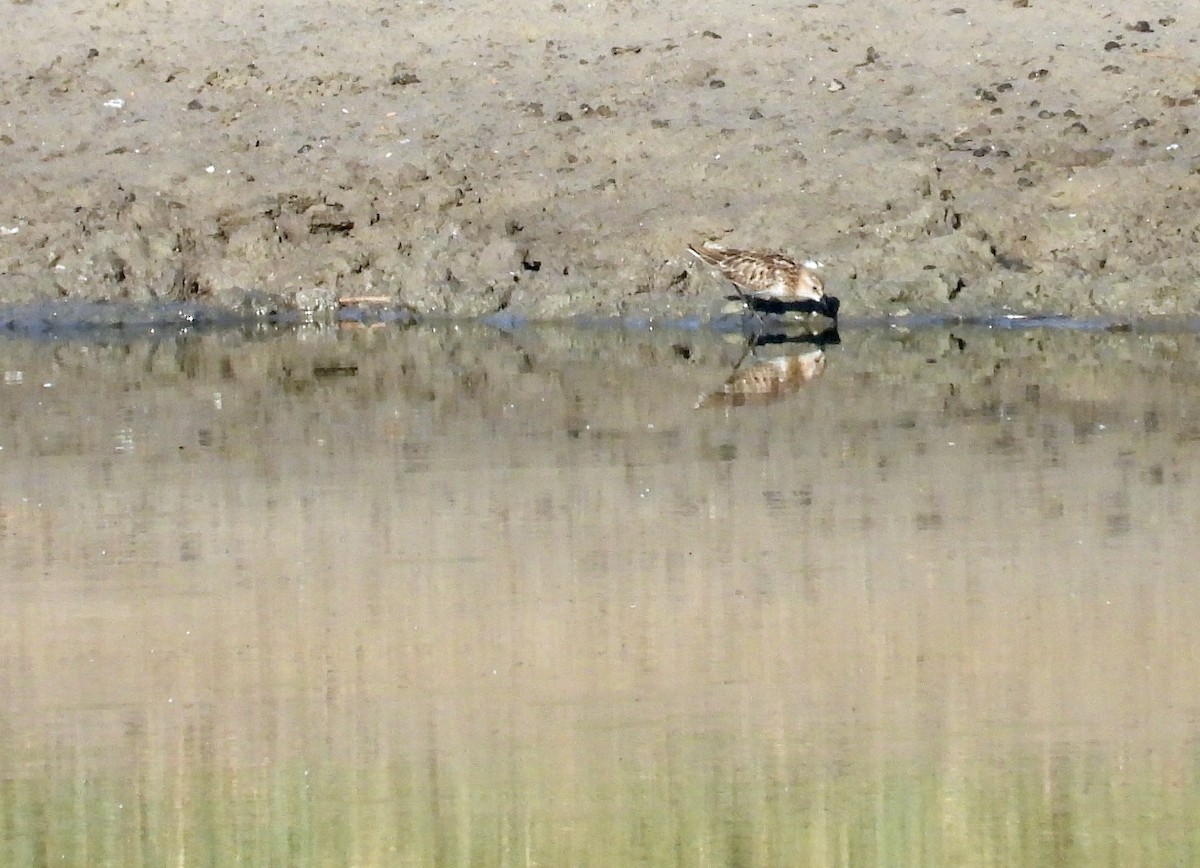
x=454 y=595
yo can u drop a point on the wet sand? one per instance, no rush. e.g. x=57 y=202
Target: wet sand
x=556 y=161
x=436 y=595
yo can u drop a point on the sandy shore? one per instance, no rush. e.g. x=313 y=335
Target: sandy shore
x=555 y=158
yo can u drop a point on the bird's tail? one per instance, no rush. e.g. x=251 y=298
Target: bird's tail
x=708 y=252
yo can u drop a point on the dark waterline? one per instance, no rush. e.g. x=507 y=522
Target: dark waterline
x=109 y=321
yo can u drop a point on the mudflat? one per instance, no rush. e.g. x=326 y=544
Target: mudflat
x=555 y=158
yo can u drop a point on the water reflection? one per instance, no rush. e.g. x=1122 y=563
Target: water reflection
x=456 y=596
x=797 y=359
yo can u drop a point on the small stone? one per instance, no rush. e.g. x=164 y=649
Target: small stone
x=755 y=115
x=1142 y=123
x=402 y=77
x=1112 y=45
x=1038 y=73
x=716 y=83
x=1076 y=128
x=659 y=123
x=563 y=117
x=1141 y=27
x=195 y=105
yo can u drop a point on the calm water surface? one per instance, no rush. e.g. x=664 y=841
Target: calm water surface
x=450 y=596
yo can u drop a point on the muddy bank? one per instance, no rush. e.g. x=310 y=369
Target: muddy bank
x=948 y=159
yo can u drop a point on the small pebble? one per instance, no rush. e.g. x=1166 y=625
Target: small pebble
x=402 y=77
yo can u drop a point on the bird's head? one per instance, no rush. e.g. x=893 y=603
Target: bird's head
x=810 y=286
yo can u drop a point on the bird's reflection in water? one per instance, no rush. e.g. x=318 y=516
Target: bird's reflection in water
x=768 y=380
